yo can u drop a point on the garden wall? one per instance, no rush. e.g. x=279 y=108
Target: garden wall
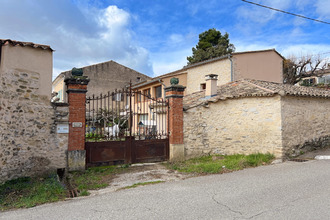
x=245 y=126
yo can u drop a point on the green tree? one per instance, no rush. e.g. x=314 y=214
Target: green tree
x=211 y=44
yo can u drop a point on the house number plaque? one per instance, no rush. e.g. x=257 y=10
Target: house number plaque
x=77 y=124
x=62 y=128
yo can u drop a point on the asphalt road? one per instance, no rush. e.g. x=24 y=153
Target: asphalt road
x=290 y=190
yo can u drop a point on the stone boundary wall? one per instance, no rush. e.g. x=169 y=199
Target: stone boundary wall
x=305 y=124
x=29 y=143
x=245 y=126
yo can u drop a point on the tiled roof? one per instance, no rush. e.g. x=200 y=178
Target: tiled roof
x=24 y=44
x=249 y=88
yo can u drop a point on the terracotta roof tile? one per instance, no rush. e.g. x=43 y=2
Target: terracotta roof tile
x=24 y=44
x=249 y=88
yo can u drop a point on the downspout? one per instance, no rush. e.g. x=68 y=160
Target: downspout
x=231 y=68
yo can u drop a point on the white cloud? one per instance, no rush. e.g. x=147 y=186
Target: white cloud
x=287 y=50
x=323 y=8
x=80 y=34
x=305 y=49
x=113 y=17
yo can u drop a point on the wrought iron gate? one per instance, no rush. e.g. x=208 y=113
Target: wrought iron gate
x=126 y=126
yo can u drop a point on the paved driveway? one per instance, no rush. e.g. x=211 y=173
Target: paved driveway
x=289 y=190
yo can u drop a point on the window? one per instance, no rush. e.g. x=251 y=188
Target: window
x=203 y=86
x=158 y=92
x=143 y=120
x=143 y=117
x=146 y=94
x=117 y=97
x=59 y=95
x=324 y=79
x=139 y=96
x=327 y=79
x=309 y=82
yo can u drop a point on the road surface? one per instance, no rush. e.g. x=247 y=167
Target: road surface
x=291 y=190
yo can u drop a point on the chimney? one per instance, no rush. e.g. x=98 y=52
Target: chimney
x=211 y=85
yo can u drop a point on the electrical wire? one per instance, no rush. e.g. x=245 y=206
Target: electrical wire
x=275 y=9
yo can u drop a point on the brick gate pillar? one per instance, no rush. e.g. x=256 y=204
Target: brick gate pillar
x=174 y=94
x=76 y=89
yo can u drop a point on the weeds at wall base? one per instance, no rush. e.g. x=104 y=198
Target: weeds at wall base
x=28 y=192
x=221 y=163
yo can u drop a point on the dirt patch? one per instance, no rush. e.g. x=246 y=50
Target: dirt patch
x=141 y=173
x=312 y=154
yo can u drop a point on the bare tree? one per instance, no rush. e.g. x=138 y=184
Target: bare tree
x=295 y=69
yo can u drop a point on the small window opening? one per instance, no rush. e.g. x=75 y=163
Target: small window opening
x=203 y=86
x=158 y=91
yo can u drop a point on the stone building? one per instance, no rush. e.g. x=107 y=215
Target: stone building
x=249 y=116
x=29 y=142
x=104 y=77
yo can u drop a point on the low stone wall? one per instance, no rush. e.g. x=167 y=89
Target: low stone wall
x=246 y=125
x=30 y=144
x=305 y=124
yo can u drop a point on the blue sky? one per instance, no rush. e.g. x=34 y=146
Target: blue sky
x=155 y=37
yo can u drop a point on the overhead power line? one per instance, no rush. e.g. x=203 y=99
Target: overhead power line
x=275 y=9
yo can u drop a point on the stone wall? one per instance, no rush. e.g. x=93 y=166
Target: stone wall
x=246 y=125
x=305 y=124
x=29 y=142
x=196 y=75
x=105 y=77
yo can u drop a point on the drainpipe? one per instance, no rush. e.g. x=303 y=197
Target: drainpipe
x=231 y=68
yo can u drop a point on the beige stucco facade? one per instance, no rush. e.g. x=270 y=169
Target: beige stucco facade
x=260 y=65
x=266 y=65
x=59 y=87
x=196 y=75
x=36 y=61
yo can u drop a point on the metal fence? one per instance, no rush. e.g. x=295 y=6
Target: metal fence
x=116 y=115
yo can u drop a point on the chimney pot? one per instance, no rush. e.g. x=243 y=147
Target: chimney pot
x=211 y=85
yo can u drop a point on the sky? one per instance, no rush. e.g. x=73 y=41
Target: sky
x=155 y=37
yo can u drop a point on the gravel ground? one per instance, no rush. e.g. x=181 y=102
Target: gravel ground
x=142 y=173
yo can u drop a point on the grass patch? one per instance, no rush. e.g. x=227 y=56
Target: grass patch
x=142 y=184
x=28 y=192
x=220 y=163
x=94 y=177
